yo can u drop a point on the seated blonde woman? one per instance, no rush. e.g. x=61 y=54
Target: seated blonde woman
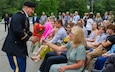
x=45 y=49
x=75 y=52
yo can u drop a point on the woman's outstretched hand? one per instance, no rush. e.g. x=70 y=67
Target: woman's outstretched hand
x=44 y=42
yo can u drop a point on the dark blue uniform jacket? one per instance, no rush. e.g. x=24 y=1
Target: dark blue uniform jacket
x=18 y=35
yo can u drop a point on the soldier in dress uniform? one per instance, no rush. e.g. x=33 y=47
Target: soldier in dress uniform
x=18 y=34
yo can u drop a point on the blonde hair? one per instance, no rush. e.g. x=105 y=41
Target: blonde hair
x=98 y=15
x=79 y=38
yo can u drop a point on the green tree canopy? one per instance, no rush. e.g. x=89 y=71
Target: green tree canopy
x=10 y=6
x=73 y=5
x=102 y=6
x=55 y=6
x=47 y=6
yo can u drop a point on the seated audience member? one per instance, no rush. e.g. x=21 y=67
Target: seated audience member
x=80 y=23
x=98 y=19
x=75 y=52
x=105 y=17
x=99 y=39
x=111 y=17
x=55 y=29
x=68 y=27
x=93 y=33
x=61 y=33
x=101 y=59
x=106 y=45
x=105 y=23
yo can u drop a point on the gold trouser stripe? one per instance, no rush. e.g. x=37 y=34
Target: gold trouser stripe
x=16 y=64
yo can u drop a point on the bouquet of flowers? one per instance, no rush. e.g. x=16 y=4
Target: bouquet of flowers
x=48 y=30
x=43 y=49
x=65 y=40
x=38 y=31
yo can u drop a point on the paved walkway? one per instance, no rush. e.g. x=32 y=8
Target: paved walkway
x=4 y=64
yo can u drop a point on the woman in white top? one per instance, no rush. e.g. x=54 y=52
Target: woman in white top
x=89 y=23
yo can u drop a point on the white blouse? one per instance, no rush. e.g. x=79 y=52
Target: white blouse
x=89 y=24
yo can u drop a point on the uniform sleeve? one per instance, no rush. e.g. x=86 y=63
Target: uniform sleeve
x=17 y=25
x=81 y=53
